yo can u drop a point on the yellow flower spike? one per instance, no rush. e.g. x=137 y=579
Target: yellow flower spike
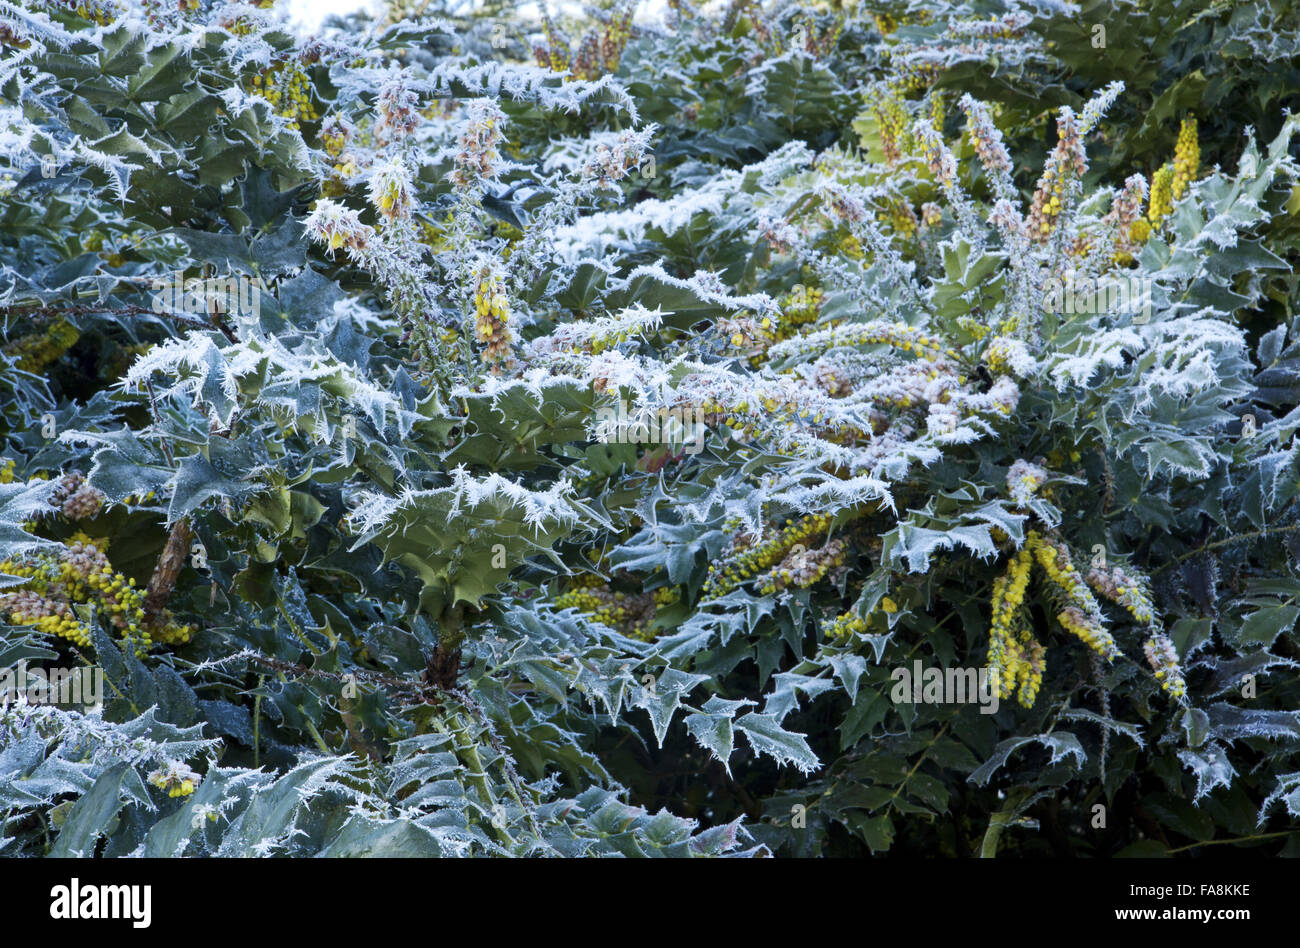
x=1187 y=158
x=1162 y=196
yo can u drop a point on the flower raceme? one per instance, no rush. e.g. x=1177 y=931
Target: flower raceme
x=1187 y=158
x=176 y=777
x=477 y=158
x=598 y=52
x=338 y=226
x=749 y=559
x=492 y=316
x=74 y=498
x=1126 y=217
x=1080 y=615
x=397 y=110
x=56 y=583
x=1066 y=163
x=391 y=189
x=633 y=614
x=287 y=87
x=801 y=568
x=898 y=335
x=1023 y=481
x=1162 y=196
x=1125 y=589
x=1163 y=659
x=1172 y=180
x=1015 y=658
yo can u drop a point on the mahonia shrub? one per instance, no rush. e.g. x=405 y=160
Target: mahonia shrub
x=451 y=434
